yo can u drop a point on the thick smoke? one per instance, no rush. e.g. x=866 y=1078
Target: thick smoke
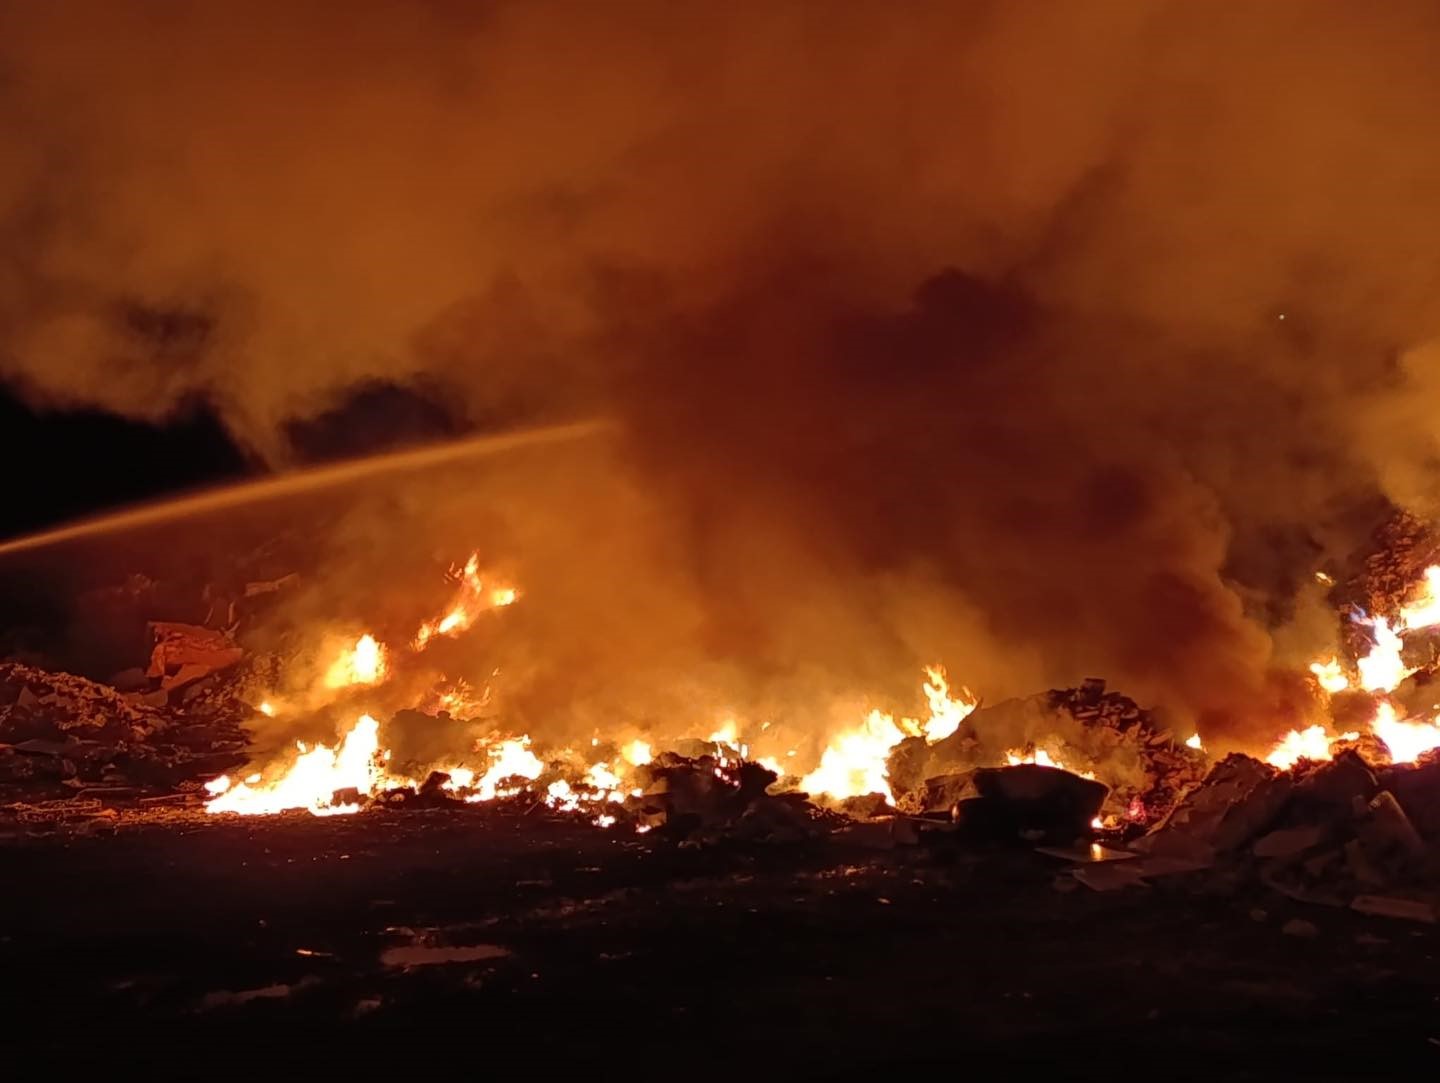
x=1046 y=339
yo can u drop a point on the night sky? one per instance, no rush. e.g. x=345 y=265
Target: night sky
x=64 y=465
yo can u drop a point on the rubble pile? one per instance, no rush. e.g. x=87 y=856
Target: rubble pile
x=1028 y=801
x=1085 y=729
x=708 y=798
x=1340 y=833
x=1403 y=547
x=61 y=733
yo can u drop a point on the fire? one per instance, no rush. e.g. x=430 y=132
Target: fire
x=855 y=761
x=509 y=759
x=312 y=781
x=602 y=778
x=1405 y=740
x=471 y=599
x=1382 y=669
x=1039 y=756
x=1330 y=675
x=1424 y=610
x=728 y=735
x=946 y=714
x=363 y=663
x=637 y=753
x=1193 y=741
x=1307 y=744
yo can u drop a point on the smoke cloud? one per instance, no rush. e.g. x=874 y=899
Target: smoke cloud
x=1047 y=340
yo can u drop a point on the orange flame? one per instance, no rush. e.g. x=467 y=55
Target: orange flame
x=363 y=663
x=1424 y=609
x=1039 y=756
x=1312 y=743
x=1405 y=740
x=1330 y=675
x=946 y=714
x=471 y=599
x=1382 y=669
x=854 y=763
x=314 y=778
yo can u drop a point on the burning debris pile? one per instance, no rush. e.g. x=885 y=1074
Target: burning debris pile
x=1094 y=733
x=1340 y=808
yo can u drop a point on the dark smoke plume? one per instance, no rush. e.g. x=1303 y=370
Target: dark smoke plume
x=1044 y=339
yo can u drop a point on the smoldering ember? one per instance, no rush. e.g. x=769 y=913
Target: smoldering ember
x=701 y=536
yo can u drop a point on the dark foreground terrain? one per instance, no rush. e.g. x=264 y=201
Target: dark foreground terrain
x=449 y=940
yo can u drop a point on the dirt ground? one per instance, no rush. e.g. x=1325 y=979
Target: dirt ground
x=457 y=938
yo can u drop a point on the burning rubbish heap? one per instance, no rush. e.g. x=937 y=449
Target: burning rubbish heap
x=1094 y=733
x=1342 y=809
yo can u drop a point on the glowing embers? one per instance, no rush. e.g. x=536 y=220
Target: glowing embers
x=473 y=597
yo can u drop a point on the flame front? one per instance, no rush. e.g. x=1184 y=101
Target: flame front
x=1308 y=744
x=313 y=780
x=1381 y=672
x=509 y=760
x=855 y=761
x=1405 y=740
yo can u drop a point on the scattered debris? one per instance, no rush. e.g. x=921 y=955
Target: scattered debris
x=1090 y=854
x=415 y=955
x=226 y=998
x=1408 y=909
x=1108 y=876
x=187 y=652
x=61 y=732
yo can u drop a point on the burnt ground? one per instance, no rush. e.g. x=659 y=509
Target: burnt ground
x=207 y=941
